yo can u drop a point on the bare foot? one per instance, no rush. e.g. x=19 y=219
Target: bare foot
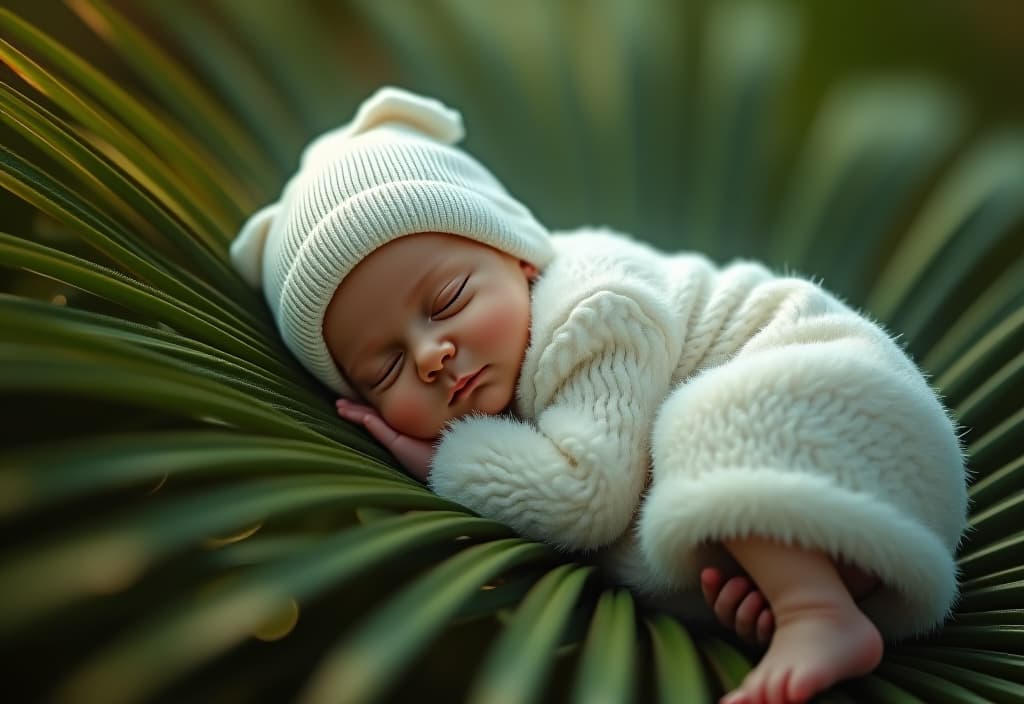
x=814 y=646
x=742 y=608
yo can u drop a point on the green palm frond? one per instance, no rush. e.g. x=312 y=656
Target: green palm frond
x=185 y=518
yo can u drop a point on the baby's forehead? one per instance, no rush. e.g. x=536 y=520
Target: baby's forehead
x=391 y=274
x=409 y=255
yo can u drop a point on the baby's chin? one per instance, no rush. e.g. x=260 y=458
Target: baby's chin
x=495 y=404
x=496 y=408
x=492 y=404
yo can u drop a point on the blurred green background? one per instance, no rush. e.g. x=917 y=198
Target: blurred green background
x=976 y=47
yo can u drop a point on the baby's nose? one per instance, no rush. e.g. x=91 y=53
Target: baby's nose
x=432 y=357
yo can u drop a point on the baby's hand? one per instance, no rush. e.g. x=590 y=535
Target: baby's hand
x=738 y=605
x=413 y=454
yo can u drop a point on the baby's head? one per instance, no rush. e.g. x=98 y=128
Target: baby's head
x=397 y=267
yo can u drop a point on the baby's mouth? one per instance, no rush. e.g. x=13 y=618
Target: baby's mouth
x=465 y=385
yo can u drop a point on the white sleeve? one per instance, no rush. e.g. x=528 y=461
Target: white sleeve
x=574 y=478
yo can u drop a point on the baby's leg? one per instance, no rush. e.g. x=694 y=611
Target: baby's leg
x=820 y=638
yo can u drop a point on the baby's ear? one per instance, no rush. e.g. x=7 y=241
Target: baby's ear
x=529 y=269
x=247 y=248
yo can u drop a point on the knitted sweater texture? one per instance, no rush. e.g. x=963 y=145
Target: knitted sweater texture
x=667 y=404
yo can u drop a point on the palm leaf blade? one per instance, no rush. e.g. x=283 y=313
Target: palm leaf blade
x=185 y=635
x=607 y=671
x=933 y=687
x=679 y=671
x=193 y=205
x=519 y=661
x=361 y=666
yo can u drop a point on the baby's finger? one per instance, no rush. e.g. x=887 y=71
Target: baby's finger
x=345 y=404
x=729 y=598
x=765 y=626
x=344 y=408
x=351 y=413
x=384 y=433
x=354 y=412
x=747 y=614
x=710 y=584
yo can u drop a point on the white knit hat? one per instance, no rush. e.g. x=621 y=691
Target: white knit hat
x=390 y=172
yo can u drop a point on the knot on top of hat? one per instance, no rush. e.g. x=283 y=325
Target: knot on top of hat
x=394 y=107
x=427 y=115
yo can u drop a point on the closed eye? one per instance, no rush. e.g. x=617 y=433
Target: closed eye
x=453 y=299
x=387 y=373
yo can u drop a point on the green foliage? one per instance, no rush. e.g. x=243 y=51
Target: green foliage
x=184 y=516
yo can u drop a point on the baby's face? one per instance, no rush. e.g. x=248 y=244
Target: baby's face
x=431 y=327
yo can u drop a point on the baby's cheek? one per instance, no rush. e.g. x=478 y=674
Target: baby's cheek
x=504 y=323
x=410 y=417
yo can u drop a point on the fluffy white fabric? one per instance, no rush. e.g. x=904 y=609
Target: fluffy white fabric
x=746 y=403
x=571 y=480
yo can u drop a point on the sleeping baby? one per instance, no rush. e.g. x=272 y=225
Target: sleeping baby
x=709 y=434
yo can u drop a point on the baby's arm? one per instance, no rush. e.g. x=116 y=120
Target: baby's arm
x=574 y=477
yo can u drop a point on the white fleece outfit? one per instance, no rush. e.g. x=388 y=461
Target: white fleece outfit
x=671 y=404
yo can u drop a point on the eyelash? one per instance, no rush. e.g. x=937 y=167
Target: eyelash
x=387 y=373
x=454 y=298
